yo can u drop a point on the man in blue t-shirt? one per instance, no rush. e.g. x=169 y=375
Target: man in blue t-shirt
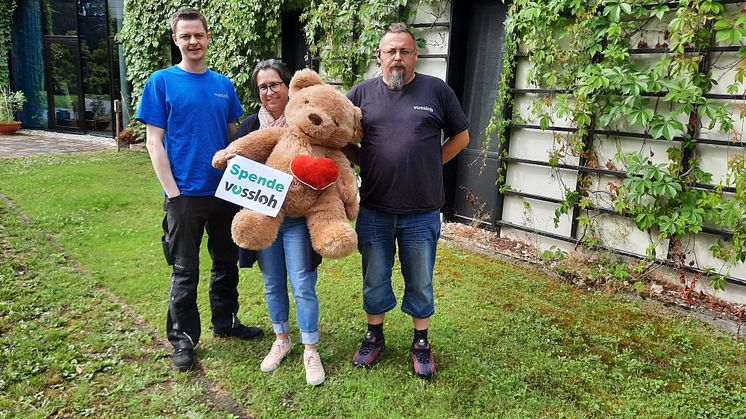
x=401 y=165
x=190 y=112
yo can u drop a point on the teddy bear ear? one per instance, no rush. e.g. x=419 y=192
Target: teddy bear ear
x=304 y=78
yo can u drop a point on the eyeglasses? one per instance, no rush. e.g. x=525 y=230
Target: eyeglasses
x=404 y=53
x=275 y=87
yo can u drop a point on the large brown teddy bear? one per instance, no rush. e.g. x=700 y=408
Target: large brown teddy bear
x=321 y=121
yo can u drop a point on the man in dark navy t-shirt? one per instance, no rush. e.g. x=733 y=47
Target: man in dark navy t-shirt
x=401 y=165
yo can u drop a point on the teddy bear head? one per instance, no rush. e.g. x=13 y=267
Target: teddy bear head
x=321 y=115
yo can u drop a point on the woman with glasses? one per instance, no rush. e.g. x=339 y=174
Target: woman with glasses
x=291 y=255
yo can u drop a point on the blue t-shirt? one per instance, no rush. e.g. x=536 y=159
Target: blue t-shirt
x=194 y=110
x=401 y=163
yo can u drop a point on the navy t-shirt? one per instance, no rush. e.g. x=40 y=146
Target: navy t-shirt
x=248 y=125
x=194 y=110
x=401 y=164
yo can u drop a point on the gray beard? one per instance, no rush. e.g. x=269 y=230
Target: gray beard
x=396 y=79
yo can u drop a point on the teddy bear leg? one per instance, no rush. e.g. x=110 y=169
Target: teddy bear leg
x=333 y=239
x=252 y=230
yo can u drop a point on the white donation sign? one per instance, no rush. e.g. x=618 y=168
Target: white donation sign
x=253 y=185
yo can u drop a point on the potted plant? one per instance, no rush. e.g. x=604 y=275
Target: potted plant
x=133 y=135
x=10 y=103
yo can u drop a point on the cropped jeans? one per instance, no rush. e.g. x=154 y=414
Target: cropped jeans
x=290 y=257
x=417 y=236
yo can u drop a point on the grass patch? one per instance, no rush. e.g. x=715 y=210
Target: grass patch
x=508 y=341
x=67 y=350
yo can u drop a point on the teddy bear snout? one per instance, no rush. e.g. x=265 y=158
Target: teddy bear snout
x=315 y=119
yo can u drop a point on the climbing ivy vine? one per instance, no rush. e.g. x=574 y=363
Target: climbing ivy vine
x=344 y=34
x=6 y=19
x=243 y=32
x=580 y=51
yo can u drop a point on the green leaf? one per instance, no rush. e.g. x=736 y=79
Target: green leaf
x=722 y=24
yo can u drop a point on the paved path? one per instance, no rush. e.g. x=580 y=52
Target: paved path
x=35 y=142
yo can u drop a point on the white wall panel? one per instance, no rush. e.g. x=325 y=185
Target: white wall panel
x=600 y=190
x=522 y=69
x=714 y=159
x=606 y=147
x=535 y=144
x=433 y=66
x=701 y=245
x=433 y=12
x=534 y=214
x=523 y=105
x=540 y=242
x=436 y=40
x=722 y=70
x=621 y=233
x=540 y=180
x=653 y=35
x=737 y=111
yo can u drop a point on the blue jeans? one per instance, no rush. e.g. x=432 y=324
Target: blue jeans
x=290 y=257
x=417 y=237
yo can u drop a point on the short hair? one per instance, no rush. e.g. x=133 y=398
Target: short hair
x=271 y=64
x=399 y=27
x=187 y=13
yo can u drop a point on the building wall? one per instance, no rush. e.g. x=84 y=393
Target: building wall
x=536 y=189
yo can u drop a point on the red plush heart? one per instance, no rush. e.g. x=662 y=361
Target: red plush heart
x=316 y=173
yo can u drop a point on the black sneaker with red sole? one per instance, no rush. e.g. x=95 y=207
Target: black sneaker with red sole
x=422 y=359
x=369 y=351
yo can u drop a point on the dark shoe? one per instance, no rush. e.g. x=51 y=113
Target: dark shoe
x=240 y=332
x=422 y=359
x=183 y=359
x=369 y=350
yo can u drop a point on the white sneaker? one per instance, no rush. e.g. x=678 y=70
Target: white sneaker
x=315 y=374
x=278 y=352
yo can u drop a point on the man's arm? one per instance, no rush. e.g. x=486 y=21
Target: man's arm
x=352 y=152
x=454 y=145
x=158 y=157
x=232 y=130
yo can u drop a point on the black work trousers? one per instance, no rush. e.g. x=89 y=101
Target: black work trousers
x=187 y=218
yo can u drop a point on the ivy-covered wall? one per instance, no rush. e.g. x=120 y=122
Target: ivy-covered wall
x=342 y=36
x=633 y=113
x=243 y=32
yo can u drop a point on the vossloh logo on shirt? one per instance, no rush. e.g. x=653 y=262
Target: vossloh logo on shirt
x=222 y=95
x=422 y=108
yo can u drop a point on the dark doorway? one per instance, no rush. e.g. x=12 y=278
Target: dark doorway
x=475 y=57
x=95 y=46
x=78 y=63
x=294 y=48
x=64 y=83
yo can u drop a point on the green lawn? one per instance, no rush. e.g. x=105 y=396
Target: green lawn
x=508 y=340
x=67 y=349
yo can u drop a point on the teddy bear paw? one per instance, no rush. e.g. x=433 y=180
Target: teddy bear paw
x=338 y=241
x=220 y=160
x=253 y=231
